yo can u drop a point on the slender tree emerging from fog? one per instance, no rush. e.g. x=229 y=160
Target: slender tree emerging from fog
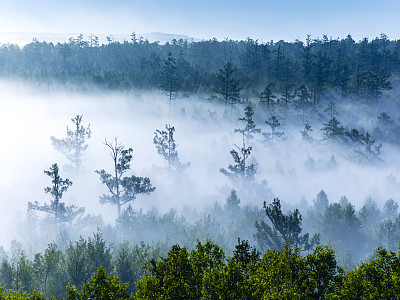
x=166 y=147
x=242 y=172
x=171 y=83
x=122 y=189
x=332 y=131
x=58 y=209
x=305 y=137
x=273 y=123
x=73 y=146
x=284 y=229
x=250 y=126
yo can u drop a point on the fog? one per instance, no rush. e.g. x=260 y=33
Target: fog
x=294 y=170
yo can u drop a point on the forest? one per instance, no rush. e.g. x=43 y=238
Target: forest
x=200 y=170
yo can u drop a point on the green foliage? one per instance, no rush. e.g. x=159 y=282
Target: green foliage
x=204 y=274
x=378 y=278
x=13 y=295
x=85 y=256
x=100 y=286
x=180 y=274
x=129 y=261
x=287 y=275
x=285 y=229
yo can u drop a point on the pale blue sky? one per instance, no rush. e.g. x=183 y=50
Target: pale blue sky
x=236 y=19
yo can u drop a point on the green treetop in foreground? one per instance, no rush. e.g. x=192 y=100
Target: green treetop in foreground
x=206 y=273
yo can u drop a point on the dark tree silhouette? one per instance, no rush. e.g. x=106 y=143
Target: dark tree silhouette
x=166 y=147
x=122 y=189
x=285 y=229
x=58 y=209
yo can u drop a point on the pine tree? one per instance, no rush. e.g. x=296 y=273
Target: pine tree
x=285 y=229
x=302 y=101
x=58 y=209
x=241 y=172
x=266 y=96
x=73 y=146
x=370 y=152
x=122 y=189
x=250 y=127
x=171 y=82
x=166 y=147
x=273 y=123
x=232 y=201
x=332 y=131
x=229 y=87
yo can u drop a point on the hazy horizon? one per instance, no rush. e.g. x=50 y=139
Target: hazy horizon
x=263 y=20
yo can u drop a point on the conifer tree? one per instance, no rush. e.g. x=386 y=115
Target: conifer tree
x=285 y=229
x=166 y=147
x=250 y=126
x=122 y=189
x=267 y=96
x=171 y=82
x=56 y=208
x=232 y=201
x=273 y=123
x=228 y=86
x=74 y=145
x=242 y=172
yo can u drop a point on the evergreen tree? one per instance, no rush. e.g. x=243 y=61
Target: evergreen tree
x=73 y=146
x=228 y=86
x=171 y=82
x=232 y=201
x=166 y=147
x=241 y=172
x=302 y=101
x=122 y=189
x=250 y=127
x=273 y=123
x=267 y=96
x=58 y=209
x=285 y=229
x=332 y=131
x=370 y=152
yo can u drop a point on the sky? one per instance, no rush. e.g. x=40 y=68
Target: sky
x=236 y=19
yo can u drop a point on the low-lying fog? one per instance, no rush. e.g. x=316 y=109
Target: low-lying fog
x=29 y=116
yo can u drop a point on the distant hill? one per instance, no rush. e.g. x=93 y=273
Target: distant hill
x=23 y=38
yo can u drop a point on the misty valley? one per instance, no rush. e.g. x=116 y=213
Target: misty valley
x=200 y=170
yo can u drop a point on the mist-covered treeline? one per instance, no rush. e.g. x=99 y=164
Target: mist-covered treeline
x=322 y=65
x=205 y=271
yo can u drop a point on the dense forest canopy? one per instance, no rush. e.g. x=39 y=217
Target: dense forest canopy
x=361 y=69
